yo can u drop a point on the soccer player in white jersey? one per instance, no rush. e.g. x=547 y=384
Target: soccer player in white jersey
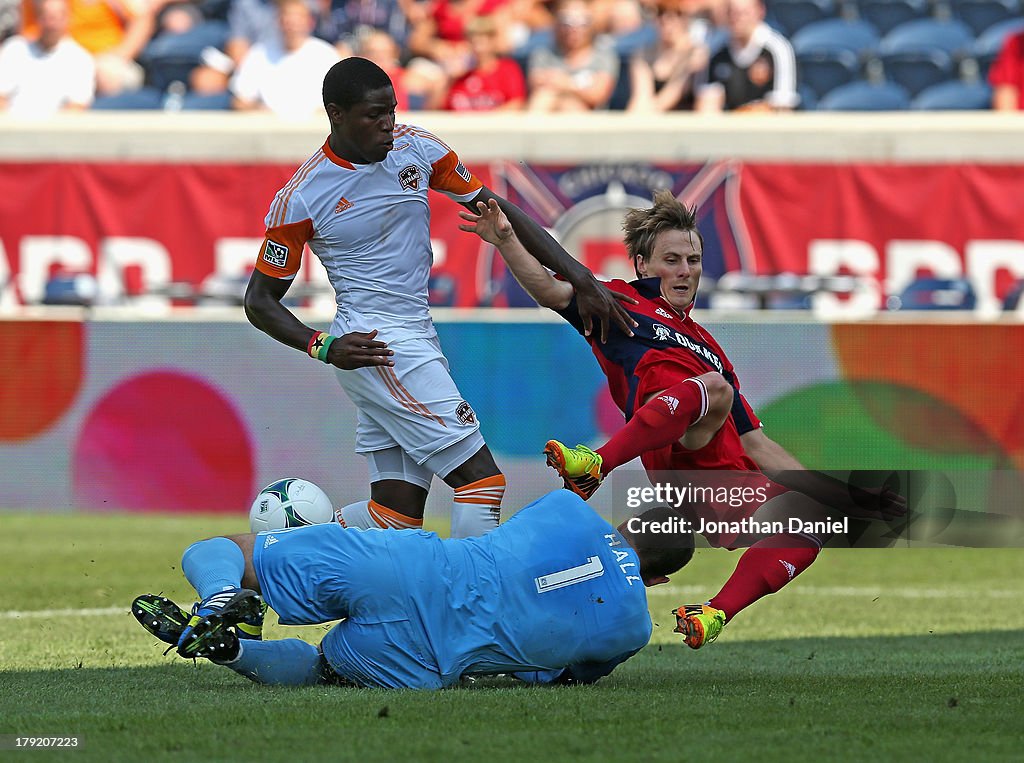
x=360 y=204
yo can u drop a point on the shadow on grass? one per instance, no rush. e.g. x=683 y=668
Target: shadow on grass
x=908 y=697
x=657 y=666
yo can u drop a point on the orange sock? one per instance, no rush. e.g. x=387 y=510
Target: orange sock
x=367 y=515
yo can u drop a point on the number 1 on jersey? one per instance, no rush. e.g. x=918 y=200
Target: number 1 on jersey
x=592 y=568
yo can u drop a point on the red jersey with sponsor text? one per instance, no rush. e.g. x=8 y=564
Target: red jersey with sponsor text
x=668 y=347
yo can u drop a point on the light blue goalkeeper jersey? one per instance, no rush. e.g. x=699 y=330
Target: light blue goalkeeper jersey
x=553 y=588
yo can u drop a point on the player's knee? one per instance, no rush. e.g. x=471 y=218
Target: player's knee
x=479 y=466
x=398 y=495
x=720 y=393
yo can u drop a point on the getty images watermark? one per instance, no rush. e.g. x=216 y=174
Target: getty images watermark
x=852 y=509
x=740 y=518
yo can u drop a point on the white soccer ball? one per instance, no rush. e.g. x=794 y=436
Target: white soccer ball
x=290 y=502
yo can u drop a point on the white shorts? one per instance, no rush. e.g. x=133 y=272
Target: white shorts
x=415 y=406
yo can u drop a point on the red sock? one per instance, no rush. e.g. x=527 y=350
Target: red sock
x=660 y=422
x=764 y=568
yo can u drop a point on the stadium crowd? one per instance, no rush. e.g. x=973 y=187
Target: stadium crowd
x=518 y=55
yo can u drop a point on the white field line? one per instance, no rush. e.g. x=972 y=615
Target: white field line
x=896 y=592
x=15 y=614
x=864 y=592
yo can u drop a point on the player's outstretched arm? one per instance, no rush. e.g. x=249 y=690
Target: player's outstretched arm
x=264 y=310
x=766 y=453
x=491 y=224
x=594 y=300
x=779 y=465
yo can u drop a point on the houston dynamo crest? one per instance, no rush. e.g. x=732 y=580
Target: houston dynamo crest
x=410 y=178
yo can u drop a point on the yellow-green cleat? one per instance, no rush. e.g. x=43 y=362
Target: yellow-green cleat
x=700 y=624
x=252 y=627
x=579 y=467
x=161 y=617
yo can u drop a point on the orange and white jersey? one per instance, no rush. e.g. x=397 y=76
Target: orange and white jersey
x=370 y=226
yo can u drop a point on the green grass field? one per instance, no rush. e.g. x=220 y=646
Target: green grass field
x=880 y=654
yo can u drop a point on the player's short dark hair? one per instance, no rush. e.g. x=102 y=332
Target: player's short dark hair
x=349 y=80
x=660 y=553
x=642 y=226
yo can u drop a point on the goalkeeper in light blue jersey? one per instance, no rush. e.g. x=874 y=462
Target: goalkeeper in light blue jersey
x=554 y=595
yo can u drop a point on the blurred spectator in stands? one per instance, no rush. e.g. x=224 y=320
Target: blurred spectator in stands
x=113 y=31
x=662 y=74
x=177 y=17
x=440 y=47
x=345 y=22
x=1007 y=75
x=285 y=75
x=531 y=24
x=249 y=22
x=580 y=73
x=756 y=71
x=494 y=82
x=40 y=77
x=10 y=18
x=381 y=48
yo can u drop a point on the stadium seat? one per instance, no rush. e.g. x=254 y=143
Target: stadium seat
x=936 y=294
x=857 y=37
x=214 y=10
x=792 y=15
x=886 y=15
x=205 y=102
x=808 y=98
x=718 y=38
x=990 y=42
x=823 y=70
x=144 y=99
x=954 y=38
x=629 y=43
x=923 y=53
x=980 y=15
x=918 y=70
x=171 y=57
x=954 y=96
x=71 y=289
x=623 y=89
x=866 y=96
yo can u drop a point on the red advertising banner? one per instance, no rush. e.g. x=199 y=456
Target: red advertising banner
x=142 y=227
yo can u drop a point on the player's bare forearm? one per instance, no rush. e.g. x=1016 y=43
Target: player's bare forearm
x=593 y=299
x=539 y=243
x=782 y=467
x=264 y=310
x=491 y=224
x=768 y=454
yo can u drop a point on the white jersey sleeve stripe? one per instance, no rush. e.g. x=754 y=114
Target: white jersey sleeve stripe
x=296 y=181
x=275 y=206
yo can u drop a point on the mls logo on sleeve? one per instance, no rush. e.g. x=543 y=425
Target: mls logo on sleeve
x=410 y=178
x=276 y=254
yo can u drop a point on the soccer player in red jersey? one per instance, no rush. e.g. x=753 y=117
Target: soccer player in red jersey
x=680 y=396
